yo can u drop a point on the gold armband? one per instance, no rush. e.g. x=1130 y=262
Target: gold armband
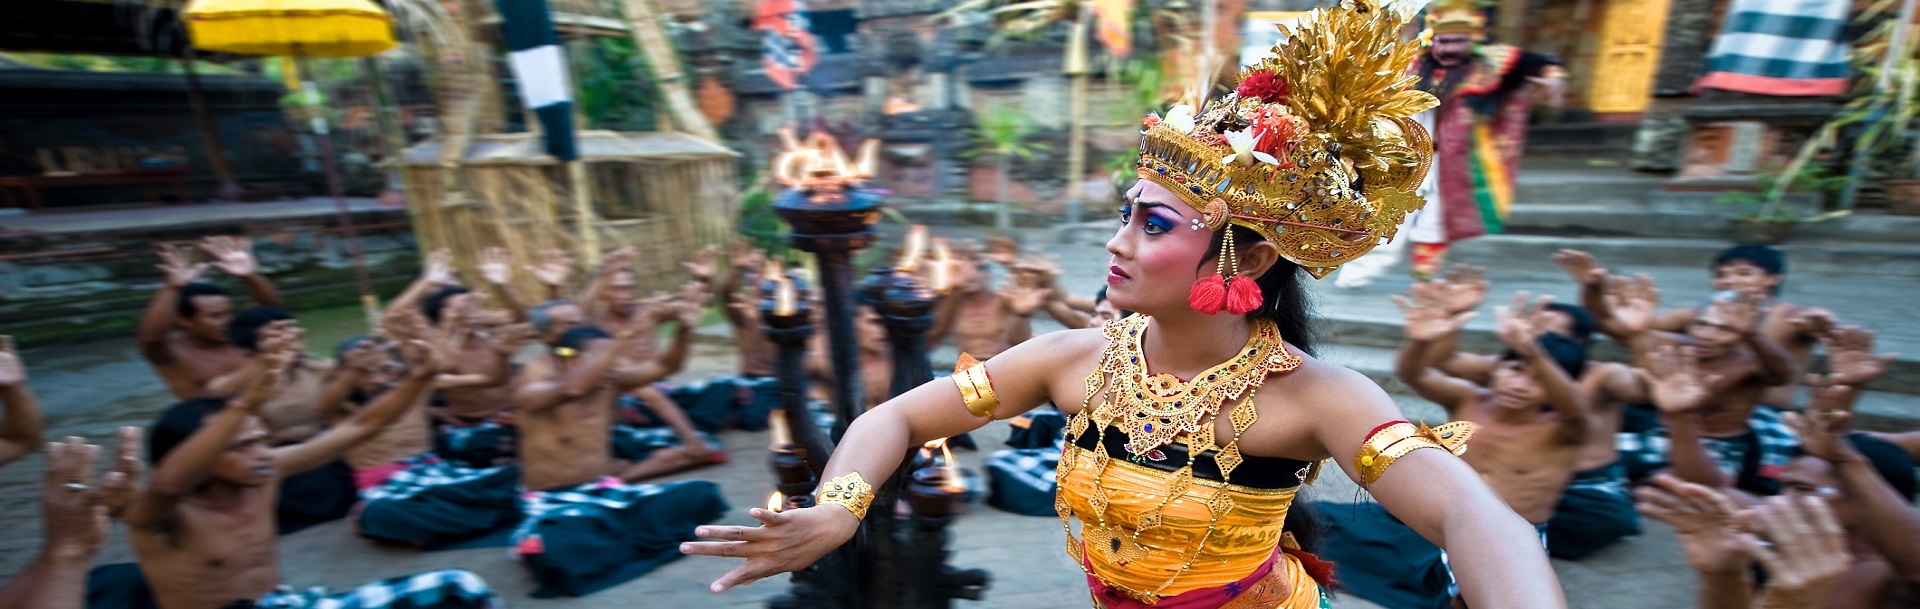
x=1395 y=439
x=975 y=388
x=850 y=491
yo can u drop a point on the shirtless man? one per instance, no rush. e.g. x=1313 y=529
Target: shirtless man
x=637 y=452
x=566 y=397
x=983 y=321
x=740 y=293
x=1754 y=271
x=293 y=413
x=203 y=528
x=407 y=493
x=21 y=428
x=1531 y=419
x=1731 y=435
x=876 y=360
x=1596 y=510
x=183 y=333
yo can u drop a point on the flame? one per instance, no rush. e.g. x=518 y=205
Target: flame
x=776 y=502
x=947 y=465
x=910 y=251
x=869 y=163
x=942 y=265
x=785 y=296
x=820 y=167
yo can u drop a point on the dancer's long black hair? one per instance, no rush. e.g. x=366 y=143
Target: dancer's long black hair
x=1284 y=292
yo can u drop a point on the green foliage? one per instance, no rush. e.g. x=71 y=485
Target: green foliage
x=1764 y=204
x=616 y=87
x=1002 y=131
x=759 y=223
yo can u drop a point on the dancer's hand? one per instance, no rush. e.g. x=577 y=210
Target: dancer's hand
x=177 y=265
x=1850 y=356
x=494 y=266
x=1814 y=321
x=701 y=267
x=1425 y=318
x=1581 y=266
x=1514 y=324
x=1633 y=302
x=439 y=269
x=1464 y=288
x=76 y=520
x=233 y=256
x=555 y=265
x=783 y=543
x=1806 y=557
x=1679 y=386
x=1823 y=433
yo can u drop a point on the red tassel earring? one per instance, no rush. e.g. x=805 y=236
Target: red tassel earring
x=1209 y=294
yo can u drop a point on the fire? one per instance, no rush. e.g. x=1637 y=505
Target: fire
x=818 y=165
x=777 y=423
x=785 y=297
x=911 y=250
x=942 y=259
x=776 y=502
x=948 y=466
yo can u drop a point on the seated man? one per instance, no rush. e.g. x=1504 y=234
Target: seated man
x=203 y=530
x=982 y=320
x=585 y=530
x=21 y=428
x=1730 y=435
x=292 y=414
x=476 y=418
x=183 y=333
x=408 y=494
x=1596 y=510
x=1531 y=420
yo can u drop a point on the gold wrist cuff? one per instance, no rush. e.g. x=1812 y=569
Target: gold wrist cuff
x=1395 y=439
x=850 y=491
x=976 y=389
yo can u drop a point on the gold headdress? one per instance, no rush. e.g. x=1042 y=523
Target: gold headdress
x=1456 y=17
x=1316 y=149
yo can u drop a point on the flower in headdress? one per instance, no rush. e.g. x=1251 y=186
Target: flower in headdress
x=1264 y=86
x=1180 y=118
x=1243 y=152
x=1151 y=119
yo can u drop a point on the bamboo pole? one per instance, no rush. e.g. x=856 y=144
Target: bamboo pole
x=1078 y=51
x=229 y=188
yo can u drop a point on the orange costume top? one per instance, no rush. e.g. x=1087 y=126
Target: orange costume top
x=1171 y=514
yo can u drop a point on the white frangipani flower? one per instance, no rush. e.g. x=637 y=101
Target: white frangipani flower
x=1243 y=152
x=1180 y=118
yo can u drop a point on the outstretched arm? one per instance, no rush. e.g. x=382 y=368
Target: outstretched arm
x=1823 y=433
x=20 y=431
x=1426 y=320
x=178 y=270
x=1497 y=556
x=1680 y=389
x=234 y=256
x=1022 y=378
x=497 y=270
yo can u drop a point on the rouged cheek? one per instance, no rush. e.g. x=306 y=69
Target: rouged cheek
x=1174 y=257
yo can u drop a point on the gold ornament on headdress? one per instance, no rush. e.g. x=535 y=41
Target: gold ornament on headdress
x=1316 y=150
x=1456 y=17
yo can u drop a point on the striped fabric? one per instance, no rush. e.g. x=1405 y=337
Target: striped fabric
x=1780 y=47
x=444 y=589
x=540 y=70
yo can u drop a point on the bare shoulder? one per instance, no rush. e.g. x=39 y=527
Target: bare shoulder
x=1321 y=385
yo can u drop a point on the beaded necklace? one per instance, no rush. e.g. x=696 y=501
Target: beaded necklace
x=1154 y=411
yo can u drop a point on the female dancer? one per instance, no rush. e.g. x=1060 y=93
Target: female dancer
x=1191 y=429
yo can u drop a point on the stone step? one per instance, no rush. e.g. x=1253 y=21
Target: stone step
x=1884 y=260
x=1558 y=184
x=1876 y=410
x=1690 y=220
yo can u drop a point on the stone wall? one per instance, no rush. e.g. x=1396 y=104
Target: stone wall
x=58 y=288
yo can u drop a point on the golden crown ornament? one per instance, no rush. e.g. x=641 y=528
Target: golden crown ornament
x=1316 y=149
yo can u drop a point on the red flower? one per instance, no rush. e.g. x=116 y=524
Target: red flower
x=1271 y=131
x=1265 y=86
x=1150 y=120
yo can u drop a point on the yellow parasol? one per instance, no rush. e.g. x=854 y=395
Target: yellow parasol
x=301 y=29
x=304 y=28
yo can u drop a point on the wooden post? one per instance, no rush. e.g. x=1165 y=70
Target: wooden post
x=228 y=188
x=584 y=218
x=650 y=34
x=1078 y=51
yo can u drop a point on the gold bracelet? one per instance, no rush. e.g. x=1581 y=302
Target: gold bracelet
x=1393 y=440
x=850 y=491
x=976 y=388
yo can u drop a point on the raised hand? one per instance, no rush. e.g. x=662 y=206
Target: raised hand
x=1814 y=321
x=495 y=267
x=1023 y=299
x=282 y=336
x=554 y=268
x=1678 y=384
x=1426 y=319
x=784 y=542
x=404 y=324
x=1706 y=521
x=659 y=307
x=745 y=257
x=119 y=485
x=1633 y=302
x=693 y=303
x=701 y=267
x=177 y=265
x=439 y=269
x=76 y=521
x=1850 y=356
x=265 y=385
x=1823 y=431
x=233 y=256
x=616 y=261
x=12 y=371
x=1806 y=557
x=1581 y=266
x=1464 y=288
x=1514 y=325
x=1002 y=250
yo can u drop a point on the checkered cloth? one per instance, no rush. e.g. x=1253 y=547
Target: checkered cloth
x=586 y=538
x=1780 y=47
x=631 y=443
x=425 y=472
x=1753 y=460
x=478 y=445
x=1021 y=480
x=446 y=589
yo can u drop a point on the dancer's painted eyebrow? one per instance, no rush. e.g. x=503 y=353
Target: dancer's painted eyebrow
x=1149 y=205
